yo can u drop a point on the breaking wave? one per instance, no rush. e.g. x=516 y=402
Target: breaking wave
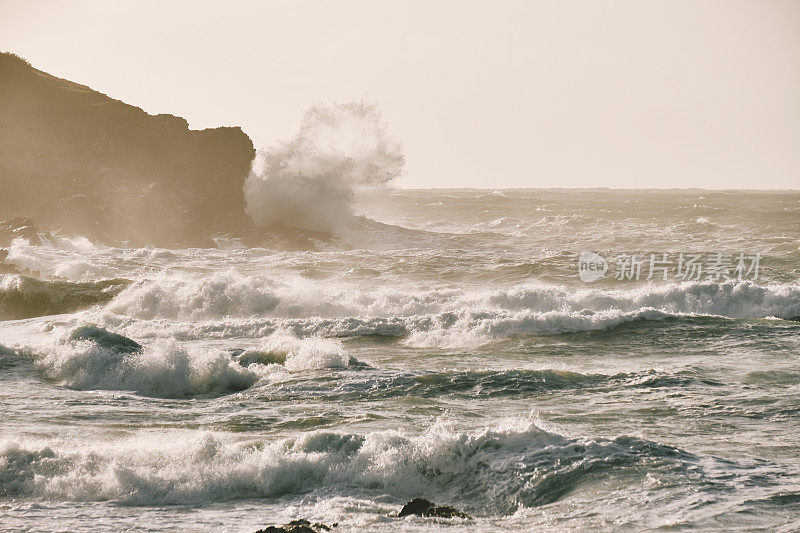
x=72 y=258
x=25 y=297
x=179 y=297
x=92 y=358
x=308 y=182
x=259 y=306
x=310 y=353
x=494 y=471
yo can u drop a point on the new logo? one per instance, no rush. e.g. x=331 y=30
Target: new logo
x=591 y=267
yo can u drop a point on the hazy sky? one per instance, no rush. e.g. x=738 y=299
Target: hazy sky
x=481 y=94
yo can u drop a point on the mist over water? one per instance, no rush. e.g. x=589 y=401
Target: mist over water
x=199 y=335
x=443 y=347
x=308 y=182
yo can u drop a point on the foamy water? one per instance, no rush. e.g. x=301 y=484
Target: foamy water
x=441 y=346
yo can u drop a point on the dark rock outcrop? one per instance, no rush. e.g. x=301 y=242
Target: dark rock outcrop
x=105 y=339
x=423 y=507
x=297 y=526
x=75 y=160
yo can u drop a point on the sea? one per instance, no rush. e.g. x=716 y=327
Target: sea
x=539 y=359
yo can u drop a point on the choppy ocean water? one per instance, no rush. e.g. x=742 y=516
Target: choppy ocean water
x=444 y=347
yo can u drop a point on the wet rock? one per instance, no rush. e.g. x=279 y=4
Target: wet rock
x=77 y=161
x=297 y=526
x=106 y=339
x=423 y=507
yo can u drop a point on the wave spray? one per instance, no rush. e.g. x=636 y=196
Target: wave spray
x=308 y=182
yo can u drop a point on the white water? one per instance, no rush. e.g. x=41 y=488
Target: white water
x=231 y=388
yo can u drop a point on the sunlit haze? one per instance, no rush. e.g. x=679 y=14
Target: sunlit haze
x=507 y=94
x=392 y=265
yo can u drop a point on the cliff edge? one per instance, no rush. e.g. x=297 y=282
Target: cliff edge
x=76 y=161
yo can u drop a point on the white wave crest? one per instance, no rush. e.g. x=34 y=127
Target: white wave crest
x=164 y=369
x=183 y=297
x=471 y=469
x=256 y=307
x=65 y=257
x=731 y=299
x=296 y=354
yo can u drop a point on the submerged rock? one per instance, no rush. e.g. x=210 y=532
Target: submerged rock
x=106 y=339
x=297 y=526
x=423 y=507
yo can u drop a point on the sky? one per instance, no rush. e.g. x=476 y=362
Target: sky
x=490 y=94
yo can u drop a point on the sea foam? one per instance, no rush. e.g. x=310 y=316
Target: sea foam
x=91 y=358
x=491 y=471
x=253 y=306
x=295 y=354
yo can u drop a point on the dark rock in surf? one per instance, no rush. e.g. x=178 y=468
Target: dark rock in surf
x=106 y=339
x=423 y=507
x=297 y=526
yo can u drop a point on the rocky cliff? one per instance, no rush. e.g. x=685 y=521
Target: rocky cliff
x=76 y=161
